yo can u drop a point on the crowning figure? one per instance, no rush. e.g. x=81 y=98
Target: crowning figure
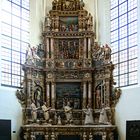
x=107 y=53
x=48 y=22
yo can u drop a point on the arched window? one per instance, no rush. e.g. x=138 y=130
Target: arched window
x=124 y=41
x=14 y=40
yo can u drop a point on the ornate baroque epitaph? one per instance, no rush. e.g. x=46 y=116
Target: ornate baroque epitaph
x=68 y=78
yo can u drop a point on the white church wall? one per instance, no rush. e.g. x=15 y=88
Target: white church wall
x=128 y=108
x=36 y=21
x=103 y=21
x=10 y=109
x=9 y=106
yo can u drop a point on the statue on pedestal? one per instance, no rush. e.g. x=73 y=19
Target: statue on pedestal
x=46 y=112
x=89 y=22
x=33 y=111
x=89 y=116
x=68 y=113
x=103 y=119
x=38 y=96
x=59 y=121
x=98 y=97
x=48 y=22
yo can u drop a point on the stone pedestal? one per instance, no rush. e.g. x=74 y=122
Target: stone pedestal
x=84 y=132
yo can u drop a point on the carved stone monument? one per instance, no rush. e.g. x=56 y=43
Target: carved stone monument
x=69 y=69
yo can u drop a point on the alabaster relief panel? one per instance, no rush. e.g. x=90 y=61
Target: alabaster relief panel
x=69 y=75
x=69 y=64
x=67 y=5
x=68 y=24
x=67 y=48
x=68 y=92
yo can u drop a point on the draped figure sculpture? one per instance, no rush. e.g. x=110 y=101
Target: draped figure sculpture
x=33 y=111
x=103 y=119
x=46 y=112
x=89 y=116
x=68 y=113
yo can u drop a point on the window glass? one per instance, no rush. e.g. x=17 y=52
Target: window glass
x=124 y=41
x=15 y=38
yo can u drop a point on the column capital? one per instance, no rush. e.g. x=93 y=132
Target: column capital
x=47 y=82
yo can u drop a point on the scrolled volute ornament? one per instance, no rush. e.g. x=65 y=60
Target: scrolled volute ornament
x=116 y=95
x=21 y=96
